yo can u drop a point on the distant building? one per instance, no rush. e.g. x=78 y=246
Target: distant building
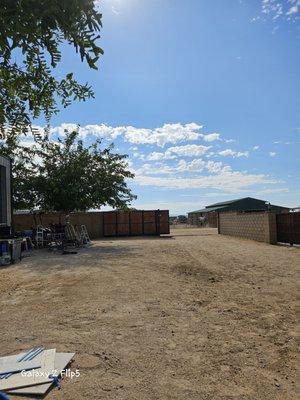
x=179 y=219
x=209 y=214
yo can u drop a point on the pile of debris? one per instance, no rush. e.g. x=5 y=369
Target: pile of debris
x=59 y=236
x=56 y=237
x=33 y=372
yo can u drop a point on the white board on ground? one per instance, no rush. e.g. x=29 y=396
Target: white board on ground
x=60 y=363
x=18 y=367
x=8 y=362
x=11 y=359
x=46 y=359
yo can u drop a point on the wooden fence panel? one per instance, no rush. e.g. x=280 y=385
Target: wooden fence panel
x=164 y=224
x=150 y=222
x=108 y=223
x=288 y=228
x=136 y=223
x=123 y=223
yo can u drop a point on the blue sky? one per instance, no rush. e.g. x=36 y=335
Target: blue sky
x=203 y=95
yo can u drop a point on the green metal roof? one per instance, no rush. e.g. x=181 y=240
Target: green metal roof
x=226 y=203
x=203 y=210
x=243 y=204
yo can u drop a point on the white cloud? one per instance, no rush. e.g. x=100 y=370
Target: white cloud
x=281 y=142
x=233 y=153
x=229 y=140
x=157 y=156
x=293 y=10
x=192 y=166
x=231 y=181
x=100 y=131
x=255 y=148
x=273 y=7
x=188 y=150
x=196 y=165
x=272 y=153
x=210 y=137
x=270 y=191
x=281 y=9
x=168 y=133
x=216 y=167
x=227 y=152
x=183 y=166
x=149 y=169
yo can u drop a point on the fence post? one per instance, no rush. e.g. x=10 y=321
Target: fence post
x=117 y=230
x=157 y=221
x=129 y=222
x=103 y=224
x=291 y=230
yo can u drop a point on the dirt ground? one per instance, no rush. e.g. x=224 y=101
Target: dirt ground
x=192 y=316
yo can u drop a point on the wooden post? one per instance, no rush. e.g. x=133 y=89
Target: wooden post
x=129 y=222
x=117 y=230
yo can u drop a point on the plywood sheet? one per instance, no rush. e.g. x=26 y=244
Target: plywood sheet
x=46 y=359
x=60 y=363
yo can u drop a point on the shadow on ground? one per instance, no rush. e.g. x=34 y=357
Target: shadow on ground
x=95 y=256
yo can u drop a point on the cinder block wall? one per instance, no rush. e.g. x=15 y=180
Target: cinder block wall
x=260 y=226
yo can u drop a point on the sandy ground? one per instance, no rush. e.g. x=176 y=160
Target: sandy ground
x=192 y=316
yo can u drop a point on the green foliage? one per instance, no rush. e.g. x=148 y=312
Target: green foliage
x=67 y=176
x=31 y=32
x=23 y=172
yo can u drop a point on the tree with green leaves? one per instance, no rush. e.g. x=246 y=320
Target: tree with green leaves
x=31 y=35
x=66 y=175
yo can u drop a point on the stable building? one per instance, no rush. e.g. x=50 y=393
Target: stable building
x=209 y=214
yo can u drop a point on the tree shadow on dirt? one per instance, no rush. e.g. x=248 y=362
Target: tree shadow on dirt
x=98 y=256
x=134 y=238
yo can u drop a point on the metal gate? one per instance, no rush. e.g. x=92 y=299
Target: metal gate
x=135 y=222
x=288 y=228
